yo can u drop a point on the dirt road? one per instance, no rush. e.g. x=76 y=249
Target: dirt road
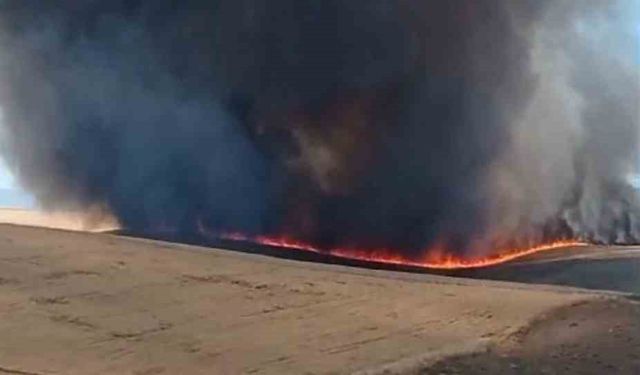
x=592 y=338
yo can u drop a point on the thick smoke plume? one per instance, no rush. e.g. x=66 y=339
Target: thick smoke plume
x=402 y=124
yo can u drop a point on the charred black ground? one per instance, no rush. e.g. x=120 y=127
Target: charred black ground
x=386 y=123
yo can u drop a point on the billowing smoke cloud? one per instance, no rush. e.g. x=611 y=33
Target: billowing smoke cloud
x=385 y=123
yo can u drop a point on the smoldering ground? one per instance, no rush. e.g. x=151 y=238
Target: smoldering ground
x=399 y=124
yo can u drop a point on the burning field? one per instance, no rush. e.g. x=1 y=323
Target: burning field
x=436 y=259
x=440 y=134
x=493 y=139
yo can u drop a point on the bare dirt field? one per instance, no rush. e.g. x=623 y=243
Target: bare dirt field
x=591 y=338
x=86 y=303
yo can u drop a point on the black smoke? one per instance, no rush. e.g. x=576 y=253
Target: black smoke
x=380 y=123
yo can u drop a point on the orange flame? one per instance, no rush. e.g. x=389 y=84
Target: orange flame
x=436 y=259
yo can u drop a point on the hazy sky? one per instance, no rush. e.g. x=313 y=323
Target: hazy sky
x=6 y=180
x=11 y=195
